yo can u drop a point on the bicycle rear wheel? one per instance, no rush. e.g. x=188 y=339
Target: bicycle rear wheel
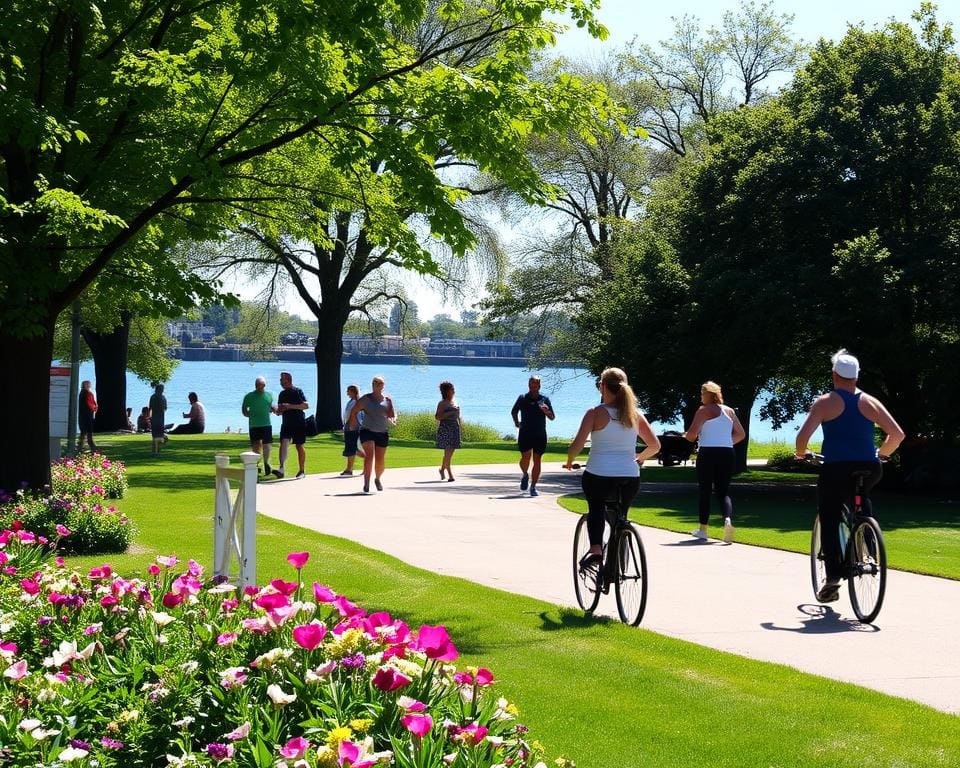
x=631 y=584
x=867 y=581
x=585 y=580
x=818 y=568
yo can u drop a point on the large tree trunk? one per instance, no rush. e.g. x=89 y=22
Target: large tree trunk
x=110 y=362
x=25 y=393
x=742 y=402
x=328 y=353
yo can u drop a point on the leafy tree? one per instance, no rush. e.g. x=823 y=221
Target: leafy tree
x=122 y=121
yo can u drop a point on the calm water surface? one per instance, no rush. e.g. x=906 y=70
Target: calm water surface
x=486 y=394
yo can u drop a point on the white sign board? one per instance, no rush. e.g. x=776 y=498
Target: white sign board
x=59 y=401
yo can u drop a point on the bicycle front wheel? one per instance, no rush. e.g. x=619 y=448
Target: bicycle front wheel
x=585 y=580
x=818 y=568
x=867 y=581
x=631 y=585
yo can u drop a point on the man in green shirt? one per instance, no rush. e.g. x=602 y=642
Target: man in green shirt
x=256 y=407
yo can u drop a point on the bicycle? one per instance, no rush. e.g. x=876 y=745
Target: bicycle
x=624 y=565
x=864 y=553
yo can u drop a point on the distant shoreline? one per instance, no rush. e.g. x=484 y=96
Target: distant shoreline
x=305 y=355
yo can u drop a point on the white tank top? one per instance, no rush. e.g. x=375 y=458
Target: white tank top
x=717 y=432
x=613 y=449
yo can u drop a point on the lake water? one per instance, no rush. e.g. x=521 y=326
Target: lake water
x=486 y=394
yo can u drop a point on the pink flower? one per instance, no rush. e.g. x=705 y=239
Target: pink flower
x=351 y=754
x=388 y=679
x=418 y=725
x=271 y=601
x=195 y=569
x=104 y=571
x=309 y=636
x=298 y=559
x=295 y=748
x=239 y=733
x=435 y=643
x=8 y=649
x=171 y=600
x=284 y=587
x=62 y=530
x=472 y=734
x=16 y=671
x=167 y=561
x=153 y=569
x=410 y=705
x=229 y=605
x=227 y=638
x=220 y=752
x=346 y=608
x=463 y=678
x=323 y=594
x=30 y=586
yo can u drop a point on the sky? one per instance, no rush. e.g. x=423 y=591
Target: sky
x=651 y=22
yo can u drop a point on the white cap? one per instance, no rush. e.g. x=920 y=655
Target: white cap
x=845 y=365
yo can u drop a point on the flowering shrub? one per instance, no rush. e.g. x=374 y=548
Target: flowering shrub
x=99 y=669
x=76 y=515
x=88 y=475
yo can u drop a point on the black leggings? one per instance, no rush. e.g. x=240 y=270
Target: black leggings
x=598 y=489
x=834 y=487
x=714 y=469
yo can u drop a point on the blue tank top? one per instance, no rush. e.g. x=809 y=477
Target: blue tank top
x=849 y=437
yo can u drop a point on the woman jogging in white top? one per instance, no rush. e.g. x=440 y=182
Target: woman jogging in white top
x=717 y=429
x=612 y=427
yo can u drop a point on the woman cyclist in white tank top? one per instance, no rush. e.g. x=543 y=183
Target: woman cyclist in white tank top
x=613 y=427
x=717 y=429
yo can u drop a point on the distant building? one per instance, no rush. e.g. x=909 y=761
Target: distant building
x=186 y=331
x=296 y=339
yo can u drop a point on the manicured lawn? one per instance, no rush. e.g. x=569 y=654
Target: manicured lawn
x=596 y=691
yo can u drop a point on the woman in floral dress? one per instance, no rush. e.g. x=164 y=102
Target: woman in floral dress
x=448 y=428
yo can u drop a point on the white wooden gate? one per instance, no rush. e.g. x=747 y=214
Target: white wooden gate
x=235 y=520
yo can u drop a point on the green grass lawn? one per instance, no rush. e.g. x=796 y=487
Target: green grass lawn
x=594 y=690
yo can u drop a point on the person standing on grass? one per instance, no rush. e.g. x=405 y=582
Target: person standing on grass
x=158 y=412
x=86 y=410
x=449 y=427
x=291 y=404
x=378 y=413
x=351 y=436
x=847 y=416
x=257 y=407
x=614 y=464
x=530 y=414
x=717 y=429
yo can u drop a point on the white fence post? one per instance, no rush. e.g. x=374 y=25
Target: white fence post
x=231 y=512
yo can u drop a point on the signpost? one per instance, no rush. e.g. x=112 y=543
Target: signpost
x=59 y=408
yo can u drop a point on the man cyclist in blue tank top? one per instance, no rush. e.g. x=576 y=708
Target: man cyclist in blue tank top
x=847 y=416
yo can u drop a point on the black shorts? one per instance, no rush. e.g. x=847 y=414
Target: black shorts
x=261 y=434
x=379 y=439
x=86 y=423
x=295 y=433
x=532 y=441
x=350 y=437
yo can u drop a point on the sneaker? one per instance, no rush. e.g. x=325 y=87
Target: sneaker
x=277 y=473
x=727 y=530
x=300 y=474
x=379 y=485
x=524 y=482
x=533 y=490
x=346 y=473
x=366 y=487
x=829 y=592
x=267 y=470
x=590 y=560
x=699 y=534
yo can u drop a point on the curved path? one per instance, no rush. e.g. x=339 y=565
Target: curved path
x=746 y=600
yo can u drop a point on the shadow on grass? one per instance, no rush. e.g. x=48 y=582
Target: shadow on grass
x=570 y=618
x=823 y=621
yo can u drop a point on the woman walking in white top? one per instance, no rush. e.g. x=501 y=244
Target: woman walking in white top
x=717 y=429
x=612 y=427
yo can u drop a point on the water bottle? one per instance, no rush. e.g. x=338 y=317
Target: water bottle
x=844 y=535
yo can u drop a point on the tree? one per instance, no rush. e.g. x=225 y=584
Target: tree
x=122 y=116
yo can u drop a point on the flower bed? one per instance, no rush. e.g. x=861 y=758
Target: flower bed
x=77 y=515
x=108 y=671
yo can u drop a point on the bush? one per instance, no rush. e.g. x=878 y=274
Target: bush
x=85 y=526
x=423 y=426
x=88 y=474
x=169 y=670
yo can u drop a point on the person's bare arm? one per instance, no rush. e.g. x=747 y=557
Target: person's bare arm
x=739 y=433
x=439 y=414
x=650 y=440
x=893 y=433
x=352 y=418
x=696 y=425
x=810 y=425
x=586 y=427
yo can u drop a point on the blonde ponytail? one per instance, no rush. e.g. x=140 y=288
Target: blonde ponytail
x=625 y=401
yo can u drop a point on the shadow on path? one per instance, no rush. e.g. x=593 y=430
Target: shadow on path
x=823 y=621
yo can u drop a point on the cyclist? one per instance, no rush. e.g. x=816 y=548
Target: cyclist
x=612 y=427
x=847 y=415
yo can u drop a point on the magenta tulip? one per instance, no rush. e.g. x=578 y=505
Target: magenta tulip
x=435 y=643
x=309 y=636
x=388 y=679
x=418 y=725
x=298 y=559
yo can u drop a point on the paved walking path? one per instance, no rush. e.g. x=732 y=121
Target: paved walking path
x=747 y=600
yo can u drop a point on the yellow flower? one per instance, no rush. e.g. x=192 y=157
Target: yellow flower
x=346 y=644
x=338 y=734
x=361 y=725
x=326 y=757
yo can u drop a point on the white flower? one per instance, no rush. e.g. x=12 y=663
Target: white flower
x=184 y=721
x=190 y=666
x=278 y=697
x=271 y=657
x=495 y=740
x=220 y=589
x=73 y=753
x=161 y=618
x=67 y=652
x=87 y=652
x=29 y=724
